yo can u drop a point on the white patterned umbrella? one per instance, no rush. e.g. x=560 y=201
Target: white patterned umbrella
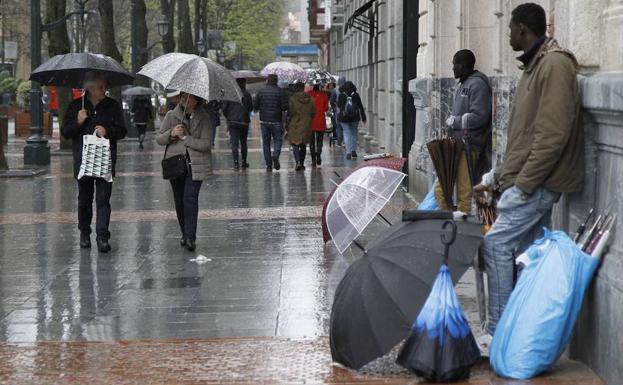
x=193 y=74
x=287 y=71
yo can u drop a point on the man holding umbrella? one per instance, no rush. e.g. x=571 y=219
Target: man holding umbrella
x=271 y=101
x=544 y=154
x=94 y=113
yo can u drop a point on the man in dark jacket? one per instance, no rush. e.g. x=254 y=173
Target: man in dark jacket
x=470 y=122
x=544 y=153
x=99 y=114
x=271 y=101
x=238 y=119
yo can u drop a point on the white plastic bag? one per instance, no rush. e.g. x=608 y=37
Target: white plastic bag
x=96 y=158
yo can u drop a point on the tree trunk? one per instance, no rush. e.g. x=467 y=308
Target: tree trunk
x=58 y=44
x=204 y=20
x=168 y=9
x=184 y=31
x=109 y=44
x=197 y=22
x=141 y=37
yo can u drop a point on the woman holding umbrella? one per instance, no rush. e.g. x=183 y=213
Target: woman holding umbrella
x=187 y=131
x=319 y=124
x=301 y=111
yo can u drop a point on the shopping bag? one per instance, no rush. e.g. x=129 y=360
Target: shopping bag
x=538 y=320
x=429 y=202
x=96 y=158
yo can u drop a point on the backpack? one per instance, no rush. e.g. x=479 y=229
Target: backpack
x=350 y=112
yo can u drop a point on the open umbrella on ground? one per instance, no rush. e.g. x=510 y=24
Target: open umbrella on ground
x=250 y=76
x=357 y=200
x=390 y=162
x=193 y=74
x=441 y=347
x=70 y=69
x=138 y=91
x=382 y=292
x=286 y=71
x=445 y=154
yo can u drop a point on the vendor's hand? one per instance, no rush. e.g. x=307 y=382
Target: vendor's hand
x=450 y=121
x=480 y=193
x=100 y=131
x=178 y=131
x=82 y=116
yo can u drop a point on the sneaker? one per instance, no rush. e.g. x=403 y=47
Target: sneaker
x=276 y=163
x=484 y=342
x=354 y=154
x=85 y=241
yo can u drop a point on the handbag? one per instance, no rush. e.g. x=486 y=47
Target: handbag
x=96 y=158
x=173 y=167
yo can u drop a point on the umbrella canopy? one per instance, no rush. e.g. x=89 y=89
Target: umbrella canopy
x=138 y=91
x=316 y=76
x=357 y=200
x=70 y=69
x=390 y=163
x=286 y=71
x=445 y=154
x=193 y=74
x=250 y=76
x=382 y=292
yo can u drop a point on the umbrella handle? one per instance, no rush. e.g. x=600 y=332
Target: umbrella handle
x=447 y=242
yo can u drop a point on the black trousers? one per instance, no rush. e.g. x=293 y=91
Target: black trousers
x=316 y=144
x=238 y=134
x=186 y=196
x=141 y=128
x=299 y=151
x=87 y=187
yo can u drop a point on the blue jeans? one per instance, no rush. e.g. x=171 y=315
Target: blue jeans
x=271 y=132
x=520 y=221
x=350 y=136
x=339 y=132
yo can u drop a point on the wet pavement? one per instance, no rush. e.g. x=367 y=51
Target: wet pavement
x=256 y=312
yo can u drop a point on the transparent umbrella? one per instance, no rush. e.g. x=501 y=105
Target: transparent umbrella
x=357 y=200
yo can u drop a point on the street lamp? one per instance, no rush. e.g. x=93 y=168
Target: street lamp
x=163 y=25
x=37 y=149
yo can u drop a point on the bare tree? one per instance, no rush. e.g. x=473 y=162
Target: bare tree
x=141 y=36
x=184 y=28
x=109 y=45
x=168 y=9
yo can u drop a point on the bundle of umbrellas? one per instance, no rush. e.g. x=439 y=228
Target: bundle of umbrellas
x=597 y=239
x=445 y=154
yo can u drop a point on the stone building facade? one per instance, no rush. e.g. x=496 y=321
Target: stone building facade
x=593 y=30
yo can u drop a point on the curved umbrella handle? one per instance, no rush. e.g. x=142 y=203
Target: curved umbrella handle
x=447 y=241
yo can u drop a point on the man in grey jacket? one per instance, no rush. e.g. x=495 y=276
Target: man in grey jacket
x=470 y=121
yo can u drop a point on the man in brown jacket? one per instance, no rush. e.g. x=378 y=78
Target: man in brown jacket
x=544 y=155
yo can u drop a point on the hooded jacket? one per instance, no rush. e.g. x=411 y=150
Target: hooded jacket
x=301 y=111
x=472 y=109
x=321 y=102
x=545 y=140
x=346 y=91
x=106 y=113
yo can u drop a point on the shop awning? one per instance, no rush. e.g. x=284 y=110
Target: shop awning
x=361 y=22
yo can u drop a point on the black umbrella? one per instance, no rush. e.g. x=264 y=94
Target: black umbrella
x=138 y=91
x=70 y=69
x=382 y=293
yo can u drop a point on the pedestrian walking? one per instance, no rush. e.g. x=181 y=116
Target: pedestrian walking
x=544 y=153
x=238 y=119
x=319 y=123
x=213 y=108
x=470 y=122
x=338 y=132
x=351 y=112
x=143 y=115
x=187 y=131
x=271 y=102
x=301 y=111
x=94 y=113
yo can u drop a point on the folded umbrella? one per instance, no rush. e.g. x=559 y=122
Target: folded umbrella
x=445 y=154
x=194 y=75
x=383 y=291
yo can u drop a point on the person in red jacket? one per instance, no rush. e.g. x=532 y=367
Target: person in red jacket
x=319 y=124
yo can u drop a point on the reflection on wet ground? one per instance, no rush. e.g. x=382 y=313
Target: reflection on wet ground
x=256 y=312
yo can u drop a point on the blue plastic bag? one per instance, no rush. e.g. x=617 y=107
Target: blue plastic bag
x=538 y=320
x=429 y=202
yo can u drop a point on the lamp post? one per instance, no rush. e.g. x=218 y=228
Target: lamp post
x=37 y=149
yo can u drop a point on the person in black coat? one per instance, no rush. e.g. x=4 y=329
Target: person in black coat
x=238 y=119
x=271 y=101
x=94 y=113
x=351 y=112
x=141 y=107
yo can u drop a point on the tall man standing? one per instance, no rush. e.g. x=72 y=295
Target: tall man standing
x=544 y=154
x=470 y=121
x=271 y=101
x=103 y=116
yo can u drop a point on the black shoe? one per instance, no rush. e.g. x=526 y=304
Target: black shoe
x=318 y=160
x=102 y=245
x=236 y=165
x=85 y=241
x=269 y=168
x=276 y=164
x=313 y=163
x=190 y=245
x=183 y=242
x=354 y=154
x=245 y=164
x=348 y=156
